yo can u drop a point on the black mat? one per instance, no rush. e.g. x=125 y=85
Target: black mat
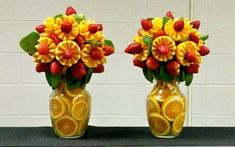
x=117 y=136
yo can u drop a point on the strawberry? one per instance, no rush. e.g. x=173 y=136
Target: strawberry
x=68 y=54
x=55 y=67
x=93 y=28
x=196 y=24
x=173 y=68
x=190 y=57
x=152 y=63
x=43 y=49
x=134 y=48
x=160 y=33
x=96 y=54
x=108 y=50
x=100 y=27
x=139 y=63
x=80 y=41
x=194 y=38
x=162 y=49
x=193 y=68
x=99 y=69
x=66 y=27
x=204 y=51
x=146 y=24
x=78 y=70
x=55 y=38
x=70 y=10
x=179 y=25
x=43 y=67
x=40 y=28
x=169 y=15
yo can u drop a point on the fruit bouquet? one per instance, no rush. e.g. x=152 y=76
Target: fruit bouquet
x=68 y=48
x=170 y=51
x=168 y=48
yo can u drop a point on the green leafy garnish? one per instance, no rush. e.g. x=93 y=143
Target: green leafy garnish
x=148 y=41
x=58 y=16
x=108 y=42
x=189 y=78
x=164 y=20
x=148 y=74
x=28 y=43
x=78 y=18
x=53 y=80
x=204 y=37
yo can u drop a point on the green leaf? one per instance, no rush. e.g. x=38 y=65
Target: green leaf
x=28 y=43
x=164 y=20
x=189 y=79
x=88 y=75
x=204 y=37
x=109 y=43
x=182 y=76
x=58 y=16
x=164 y=75
x=78 y=18
x=148 y=41
x=53 y=80
x=148 y=74
x=48 y=77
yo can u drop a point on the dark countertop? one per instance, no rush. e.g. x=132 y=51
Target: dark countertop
x=116 y=136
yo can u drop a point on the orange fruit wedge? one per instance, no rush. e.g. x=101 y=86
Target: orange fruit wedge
x=178 y=124
x=171 y=108
x=57 y=107
x=66 y=126
x=158 y=124
x=79 y=110
x=152 y=105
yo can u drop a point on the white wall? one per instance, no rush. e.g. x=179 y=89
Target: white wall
x=119 y=93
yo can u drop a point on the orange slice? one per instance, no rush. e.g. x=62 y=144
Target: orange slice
x=67 y=102
x=57 y=107
x=171 y=108
x=83 y=126
x=178 y=124
x=79 y=110
x=66 y=126
x=73 y=92
x=158 y=124
x=152 y=105
x=80 y=97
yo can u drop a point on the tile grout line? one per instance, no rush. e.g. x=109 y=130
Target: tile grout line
x=189 y=88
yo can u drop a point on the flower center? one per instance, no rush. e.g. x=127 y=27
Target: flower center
x=164 y=50
x=190 y=57
x=66 y=27
x=68 y=54
x=43 y=49
x=179 y=25
x=96 y=54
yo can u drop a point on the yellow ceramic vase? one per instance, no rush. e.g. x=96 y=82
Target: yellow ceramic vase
x=70 y=111
x=166 y=110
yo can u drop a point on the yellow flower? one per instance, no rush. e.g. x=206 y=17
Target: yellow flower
x=163 y=48
x=157 y=25
x=68 y=53
x=181 y=35
x=144 y=55
x=46 y=50
x=183 y=49
x=83 y=31
x=49 y=24
x=86 y=57
x=66 y=27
